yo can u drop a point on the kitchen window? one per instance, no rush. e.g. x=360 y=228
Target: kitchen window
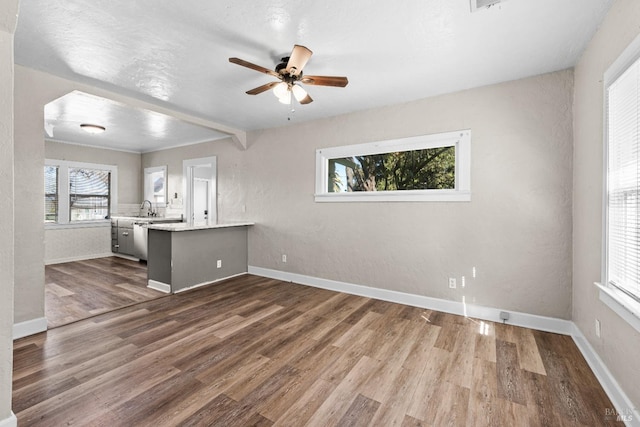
x=78 y=194
x=421 y=168
x=50 y=194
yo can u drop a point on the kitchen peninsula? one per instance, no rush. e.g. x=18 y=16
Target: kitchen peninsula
x=187 y=255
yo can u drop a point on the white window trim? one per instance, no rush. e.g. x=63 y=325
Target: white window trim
x=150 y=170
x=63 y=194
x=460 y=139
x=622 y=304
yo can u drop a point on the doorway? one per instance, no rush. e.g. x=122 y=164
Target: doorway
x=200 y=190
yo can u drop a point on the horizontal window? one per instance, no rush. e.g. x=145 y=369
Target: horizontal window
x=422 y=168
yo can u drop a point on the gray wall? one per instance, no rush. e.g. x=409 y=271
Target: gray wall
x=8 y=11
x=516 y=231
x=619 y=344
x=184 y=259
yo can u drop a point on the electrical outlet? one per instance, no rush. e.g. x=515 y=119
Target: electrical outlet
x=452 y=282
x=598 y=328
x=219 y=264
x=284 y=258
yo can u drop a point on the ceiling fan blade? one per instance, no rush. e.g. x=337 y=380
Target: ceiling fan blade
x=325 y=81
x=298 y=59
x=244 y=63
x=263 y=88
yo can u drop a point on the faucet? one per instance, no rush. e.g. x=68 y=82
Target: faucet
x=150 y=211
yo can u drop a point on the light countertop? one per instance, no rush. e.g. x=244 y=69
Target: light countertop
x=147 y=218
x=185 y=226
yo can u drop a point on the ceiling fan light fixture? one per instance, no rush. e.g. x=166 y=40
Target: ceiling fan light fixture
x=299 y=92
x=280 y=90
x=92 y=128
x=286 y=99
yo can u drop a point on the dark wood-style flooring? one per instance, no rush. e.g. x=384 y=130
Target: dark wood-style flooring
x=81 y=289
x=252 y=351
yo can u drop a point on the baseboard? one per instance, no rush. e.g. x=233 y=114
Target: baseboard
x=159 y=286
x=199 y=285
x=78 y=258
x=29 y=327
x=12 y=421
x=625 y=410
x=542 y=323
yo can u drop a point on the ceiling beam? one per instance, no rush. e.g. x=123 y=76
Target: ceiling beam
x=238 y=136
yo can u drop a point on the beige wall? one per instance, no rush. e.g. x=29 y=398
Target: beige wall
x=8 y=11
x=619 y=344
x=516 y=231
x=129 y=166
x=231 y=173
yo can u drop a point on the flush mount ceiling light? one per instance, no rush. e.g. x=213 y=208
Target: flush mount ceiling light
x=92 y=128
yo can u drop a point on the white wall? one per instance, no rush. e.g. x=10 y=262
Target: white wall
x=8 y=11
x=516 y=231
x=620 y=343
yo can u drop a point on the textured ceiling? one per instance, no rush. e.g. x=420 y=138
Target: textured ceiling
x=175 y=54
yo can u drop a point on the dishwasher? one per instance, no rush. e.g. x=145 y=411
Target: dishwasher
x=140 y=238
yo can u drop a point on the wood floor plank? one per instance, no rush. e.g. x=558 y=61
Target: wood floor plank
x=510 y=377
x=360 y=413
x=528 y=353
x=339 y=401
x=258 y=351
x=393 y=409
x=299 y=413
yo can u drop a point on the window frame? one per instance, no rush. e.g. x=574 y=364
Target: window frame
x=626 y=306
x=56 y=194
x=148 y=193
x=64 y=194
x=460 y=139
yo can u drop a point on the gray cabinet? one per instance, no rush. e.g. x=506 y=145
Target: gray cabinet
x=122 y=236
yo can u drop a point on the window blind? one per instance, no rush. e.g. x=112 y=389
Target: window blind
x=623 y=182
x=50 y=193
x=88 y=194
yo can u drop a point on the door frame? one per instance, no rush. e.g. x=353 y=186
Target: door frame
x=188 y=167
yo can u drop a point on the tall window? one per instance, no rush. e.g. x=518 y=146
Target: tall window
x=155 y=185
x=78 y=193
x=51 y=194
x=623 y=182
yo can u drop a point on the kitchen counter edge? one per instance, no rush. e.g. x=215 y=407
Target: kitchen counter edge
x=185 y=226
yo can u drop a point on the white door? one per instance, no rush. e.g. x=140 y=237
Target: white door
x=200 y=199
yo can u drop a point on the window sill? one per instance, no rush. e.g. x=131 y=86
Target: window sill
x=622 y=304
x=396 y=196
x=84 y=224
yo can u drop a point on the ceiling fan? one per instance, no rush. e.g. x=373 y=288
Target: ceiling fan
x=289 y=72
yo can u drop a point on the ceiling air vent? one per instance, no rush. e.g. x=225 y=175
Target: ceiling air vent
x=482 y=4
